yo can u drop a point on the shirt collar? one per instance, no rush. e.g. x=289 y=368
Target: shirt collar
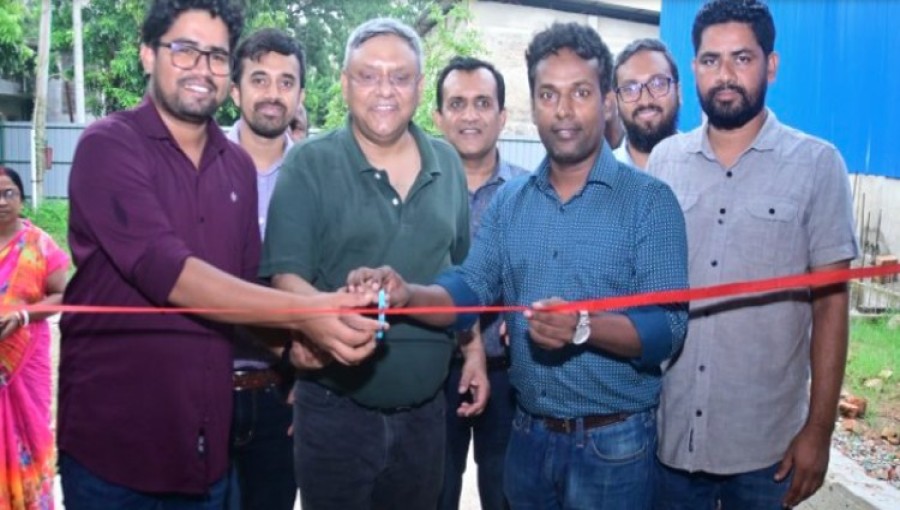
x=766 y=139
x=360 y=163
x=603 y=172
x=234 y=134
x=148 y=117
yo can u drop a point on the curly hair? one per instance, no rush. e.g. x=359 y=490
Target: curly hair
x=583 y=40
x=638 y=46
x=267 y=40
x=470 y=64
x=752 y=12
x=162 y=14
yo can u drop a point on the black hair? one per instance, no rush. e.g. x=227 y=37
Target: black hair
x=15 y=178
x=470 y=64
x=638 y=46
x=752 y=12
x=162 y=14
x=264 y=41
x=581 y=39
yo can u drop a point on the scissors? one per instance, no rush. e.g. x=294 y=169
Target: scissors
x=382 y=306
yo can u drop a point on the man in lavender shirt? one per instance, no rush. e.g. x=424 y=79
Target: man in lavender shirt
x=164 y=213
x=267 y=87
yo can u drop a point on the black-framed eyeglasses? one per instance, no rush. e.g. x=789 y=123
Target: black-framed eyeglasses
x=657 y=87
x=10 y=194
x=186 y=56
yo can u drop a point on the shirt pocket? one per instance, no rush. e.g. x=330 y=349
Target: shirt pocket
x=769 y=230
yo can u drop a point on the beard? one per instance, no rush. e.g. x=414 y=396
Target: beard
x=266 y=126
x=194 y=112
x=644 y=138
x=736 y=114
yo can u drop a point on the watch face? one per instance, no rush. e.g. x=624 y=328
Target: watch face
x=583 y=329
x=582 y=333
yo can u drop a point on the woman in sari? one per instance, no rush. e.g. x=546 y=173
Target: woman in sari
x=32 y=272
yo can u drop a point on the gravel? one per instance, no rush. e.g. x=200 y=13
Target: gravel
x=880 y=459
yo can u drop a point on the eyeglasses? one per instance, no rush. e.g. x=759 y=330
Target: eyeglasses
x=9 y=194
x=397 y=80
x=657 y=87
x=186 y=56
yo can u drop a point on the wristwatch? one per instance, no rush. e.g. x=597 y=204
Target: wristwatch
x=582 y=329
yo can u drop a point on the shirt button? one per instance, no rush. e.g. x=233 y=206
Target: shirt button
x=714 y=263
x=377 y=175
x=771 y=211
x=722 y=211
x=555 y=253
x=699 y=413
x=702 y=368
x=721 y=222
x=728 y=174
x=395 y=201
x=202 y=219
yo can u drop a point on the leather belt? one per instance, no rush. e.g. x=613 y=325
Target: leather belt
x=255 y=379
x=567 y=426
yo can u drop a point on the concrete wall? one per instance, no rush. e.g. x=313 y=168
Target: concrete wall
x=506 y=30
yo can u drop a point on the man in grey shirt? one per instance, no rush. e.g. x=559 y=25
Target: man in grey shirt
x=742 y=424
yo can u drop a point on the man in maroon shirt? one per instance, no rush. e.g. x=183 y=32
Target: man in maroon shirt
x=164 y=213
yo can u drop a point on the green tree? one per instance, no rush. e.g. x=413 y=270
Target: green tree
x=16 y=56
x=112 y=36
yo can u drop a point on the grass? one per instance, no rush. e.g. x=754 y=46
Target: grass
x=875 y=351
x=53 y=217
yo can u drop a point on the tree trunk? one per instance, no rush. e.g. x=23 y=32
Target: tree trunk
x=40 y=106
x=79 y=60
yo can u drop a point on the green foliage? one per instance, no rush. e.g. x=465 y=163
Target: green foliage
x=111 y=45
x=53 y=217
x=16 y=56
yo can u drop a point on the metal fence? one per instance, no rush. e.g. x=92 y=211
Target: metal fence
x=15 y=152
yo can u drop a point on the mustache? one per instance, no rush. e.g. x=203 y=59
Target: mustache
x=727 y=86
x=650 y=107
x=275 y=102
x=208 y=81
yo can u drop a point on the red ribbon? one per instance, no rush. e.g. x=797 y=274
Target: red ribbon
x=800 y=281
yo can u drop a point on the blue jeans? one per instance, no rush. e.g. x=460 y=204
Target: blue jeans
x=754 y=490
x=489 y=433
x=603 y=468
x=349 y=457
x=82 y=490
x=263 y=465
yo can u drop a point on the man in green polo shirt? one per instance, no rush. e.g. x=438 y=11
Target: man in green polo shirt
x=376 y=191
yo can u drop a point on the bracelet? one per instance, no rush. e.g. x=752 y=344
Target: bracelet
x=23 y=318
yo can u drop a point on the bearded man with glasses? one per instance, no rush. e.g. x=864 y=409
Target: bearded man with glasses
x=645 y=78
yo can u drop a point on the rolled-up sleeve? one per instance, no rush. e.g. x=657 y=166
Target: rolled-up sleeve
x=661 y=264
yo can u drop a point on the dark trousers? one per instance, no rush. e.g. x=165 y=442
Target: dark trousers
x=83 y=490
x=754 y=490
x=489 y=434
x=349 y=457
x=261 y=451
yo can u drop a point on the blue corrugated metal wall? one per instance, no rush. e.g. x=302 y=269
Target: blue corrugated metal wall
x=838 y=79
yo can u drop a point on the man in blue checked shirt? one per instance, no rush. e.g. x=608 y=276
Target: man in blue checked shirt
x=583 y=226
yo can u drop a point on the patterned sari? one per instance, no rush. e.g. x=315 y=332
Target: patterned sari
x=26 y=439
